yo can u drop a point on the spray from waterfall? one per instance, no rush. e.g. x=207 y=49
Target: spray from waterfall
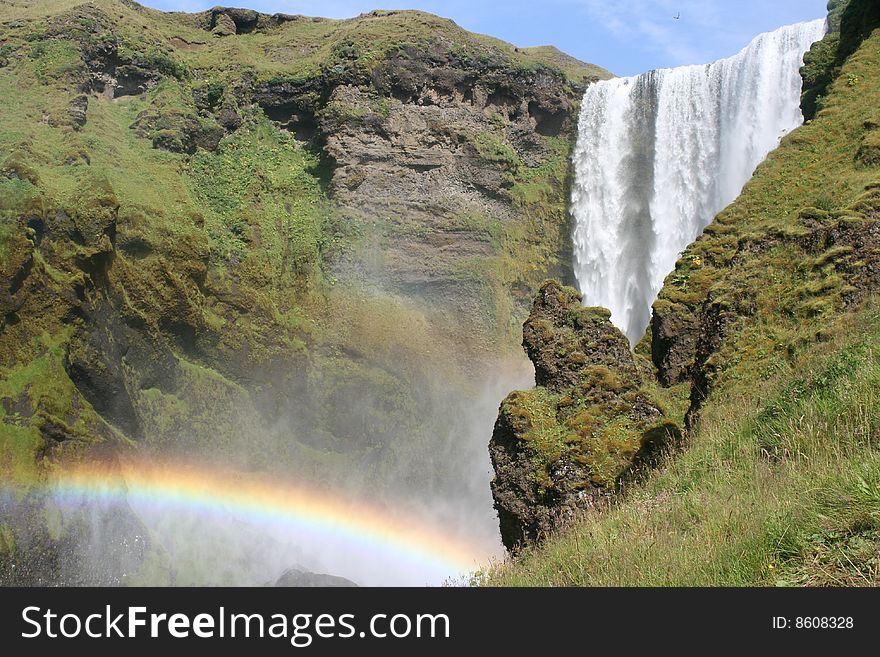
x=659 y=155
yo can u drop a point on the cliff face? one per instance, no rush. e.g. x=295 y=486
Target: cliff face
x=287 y=242
x=447 y=166
x=849 y=23
x=769 y=278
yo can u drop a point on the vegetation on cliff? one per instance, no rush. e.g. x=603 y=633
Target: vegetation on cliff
x=848 y=25
x=203 y=224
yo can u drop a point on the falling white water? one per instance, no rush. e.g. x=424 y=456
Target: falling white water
x=659 y=155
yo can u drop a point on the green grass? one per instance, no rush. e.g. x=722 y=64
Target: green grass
x=35 y=394
x=55 y=59
x=260 y=190
x=779 y=486
x=550 y=57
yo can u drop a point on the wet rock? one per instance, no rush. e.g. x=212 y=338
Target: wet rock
x=110 y=362
x=89 y=545
x=674 y=334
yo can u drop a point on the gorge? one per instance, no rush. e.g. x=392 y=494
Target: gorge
x=265 y=278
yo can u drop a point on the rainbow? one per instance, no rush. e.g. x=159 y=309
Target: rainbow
x=276 y=505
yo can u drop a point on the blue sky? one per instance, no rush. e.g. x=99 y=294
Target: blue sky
x=624 y=36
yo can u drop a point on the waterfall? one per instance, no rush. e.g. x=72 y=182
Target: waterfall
x=660 y=154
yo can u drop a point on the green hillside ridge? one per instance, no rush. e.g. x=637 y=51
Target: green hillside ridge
x=295 y=45
x=769 y=327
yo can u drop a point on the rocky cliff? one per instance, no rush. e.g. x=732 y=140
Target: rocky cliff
x=812 y=253
x=286 y=242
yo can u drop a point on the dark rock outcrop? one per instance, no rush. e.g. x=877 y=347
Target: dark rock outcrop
x=563 y=445
x=561 y=339
x=296 y=577
x=224 y=25
x=178 y=131
x=78 y=108
x=868 y=154
x=229 y=21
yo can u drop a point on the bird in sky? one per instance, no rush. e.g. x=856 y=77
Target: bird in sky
x=677 y=16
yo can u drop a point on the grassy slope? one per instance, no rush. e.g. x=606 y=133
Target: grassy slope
x=780 y=483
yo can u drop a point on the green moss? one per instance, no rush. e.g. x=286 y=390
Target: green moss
x=42 y=388
x=260 y=190
x=818 y=72
x=835 y=14
x=533 y=416
x=19 y=197
x=609 y=451
x=494 y=148
x=19 y=447
x=337 y=113
x=152 y=56
x=850 y=22
x=833 y=255
x=55 y=59
x=549 y=57
x=601 y=377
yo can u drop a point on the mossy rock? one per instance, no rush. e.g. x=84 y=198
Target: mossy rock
x=561 y=446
